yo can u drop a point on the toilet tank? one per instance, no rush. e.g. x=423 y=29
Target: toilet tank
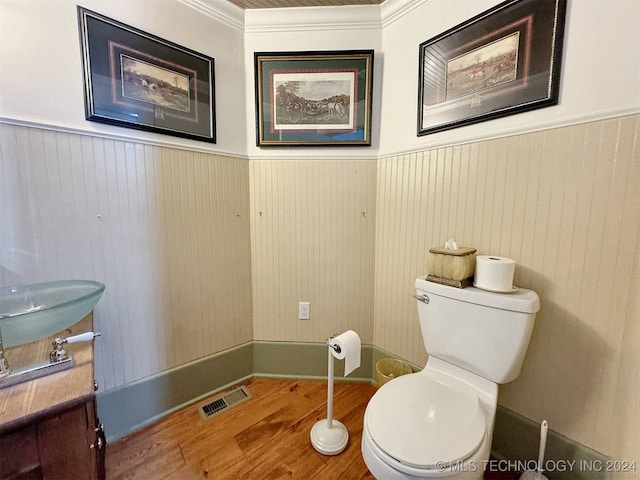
x=483 y=332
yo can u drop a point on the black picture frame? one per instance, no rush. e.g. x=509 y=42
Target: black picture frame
x=503 y=61
x=137 y=80
x=320 y=98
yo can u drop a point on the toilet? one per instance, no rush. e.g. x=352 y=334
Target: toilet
x=438 y=422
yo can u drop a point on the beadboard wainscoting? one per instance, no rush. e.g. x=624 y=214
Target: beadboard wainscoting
x=565 y=205
x=166 y=230
x=312 y=240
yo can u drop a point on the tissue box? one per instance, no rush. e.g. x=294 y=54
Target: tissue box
x=452 y=267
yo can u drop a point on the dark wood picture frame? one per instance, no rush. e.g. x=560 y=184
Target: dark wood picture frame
x=318 y=98
x=137 y=80
x=503 y=61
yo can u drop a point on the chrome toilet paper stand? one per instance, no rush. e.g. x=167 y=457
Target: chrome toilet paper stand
x=329 y=436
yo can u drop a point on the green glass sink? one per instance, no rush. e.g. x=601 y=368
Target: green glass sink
x=31 y=312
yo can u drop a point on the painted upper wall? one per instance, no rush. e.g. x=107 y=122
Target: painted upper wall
x=313 y=29
x=599 y=79
x=600 y=69
x=600 y=75
x=40 y=48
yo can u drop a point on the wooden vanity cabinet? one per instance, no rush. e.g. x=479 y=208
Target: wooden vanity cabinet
x=49 y=427
x=64 y=444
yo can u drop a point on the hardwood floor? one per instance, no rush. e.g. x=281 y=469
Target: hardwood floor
x=265 y=437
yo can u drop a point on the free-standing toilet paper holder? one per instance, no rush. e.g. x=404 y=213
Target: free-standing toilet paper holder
x=329 y=436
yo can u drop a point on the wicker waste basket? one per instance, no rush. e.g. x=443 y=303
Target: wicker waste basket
x=390 y=368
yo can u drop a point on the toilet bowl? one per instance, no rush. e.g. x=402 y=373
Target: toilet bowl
x=438 y=422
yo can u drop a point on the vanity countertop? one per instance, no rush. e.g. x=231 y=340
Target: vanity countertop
x=29 y=401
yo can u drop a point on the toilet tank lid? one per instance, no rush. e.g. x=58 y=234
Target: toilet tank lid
x=522 y=300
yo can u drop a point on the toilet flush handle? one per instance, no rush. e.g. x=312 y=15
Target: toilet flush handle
x=422 y=298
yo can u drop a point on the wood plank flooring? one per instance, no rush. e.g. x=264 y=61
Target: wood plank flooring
x=265 y=437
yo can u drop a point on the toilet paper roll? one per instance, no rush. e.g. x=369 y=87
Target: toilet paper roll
x=494 y=273
x=349 y=347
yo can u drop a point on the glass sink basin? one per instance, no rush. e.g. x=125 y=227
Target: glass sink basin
x=31 y=312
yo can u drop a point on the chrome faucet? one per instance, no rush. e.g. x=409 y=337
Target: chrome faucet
x=59 y=354
x=59 y=360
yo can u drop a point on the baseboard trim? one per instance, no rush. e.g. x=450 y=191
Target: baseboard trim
x=122 y=411
x=305 y=361
x=516 y=440
x=131 y=407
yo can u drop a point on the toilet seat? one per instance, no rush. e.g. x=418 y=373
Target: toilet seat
x=426 y=420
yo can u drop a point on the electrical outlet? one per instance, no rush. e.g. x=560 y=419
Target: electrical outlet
x=303 y=311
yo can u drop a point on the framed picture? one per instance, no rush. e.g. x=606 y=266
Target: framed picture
x=505 y=60
x=134 y=79
x=313 y=98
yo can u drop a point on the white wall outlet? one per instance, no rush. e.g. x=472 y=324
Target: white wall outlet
x=303 y=311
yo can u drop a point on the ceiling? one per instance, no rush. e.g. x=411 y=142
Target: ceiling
x=301 y=3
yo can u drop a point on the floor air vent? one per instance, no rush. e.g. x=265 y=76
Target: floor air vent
x=224 y=402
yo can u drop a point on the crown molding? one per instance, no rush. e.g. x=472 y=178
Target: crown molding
x=392 y=11
x=225 y=12
x=350 y=17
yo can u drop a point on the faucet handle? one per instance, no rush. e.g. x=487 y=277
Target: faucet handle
x=59 y=354
x=83 y=337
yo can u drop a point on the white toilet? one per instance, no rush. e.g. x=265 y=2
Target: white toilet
x=438 y=423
